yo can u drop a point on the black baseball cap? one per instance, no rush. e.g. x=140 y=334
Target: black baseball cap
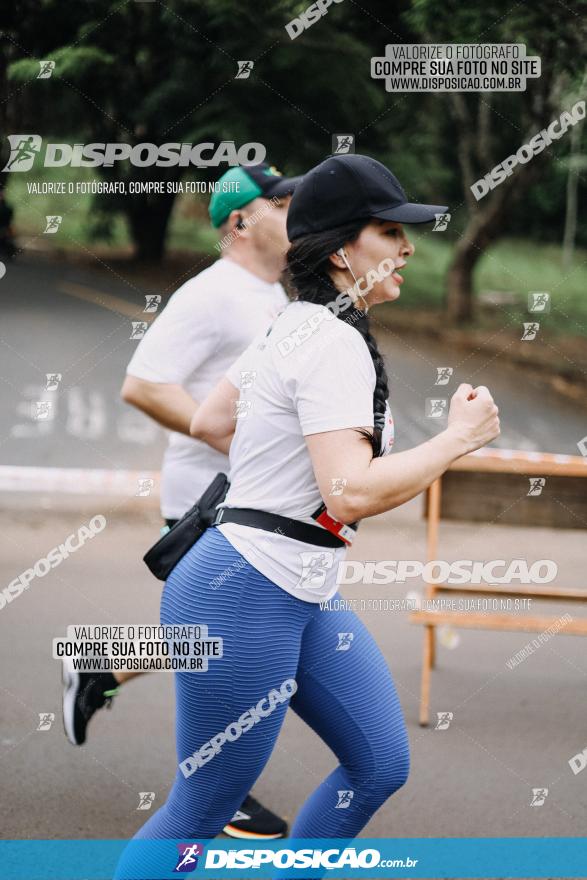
x=351 y=187
x=248 y=182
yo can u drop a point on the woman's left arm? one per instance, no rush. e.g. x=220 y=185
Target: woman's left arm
x=214 y=419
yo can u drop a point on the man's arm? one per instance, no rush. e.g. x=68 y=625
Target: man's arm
x=169 y=404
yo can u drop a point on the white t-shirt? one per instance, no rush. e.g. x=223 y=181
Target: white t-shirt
x=207 y=323
x=325 y=382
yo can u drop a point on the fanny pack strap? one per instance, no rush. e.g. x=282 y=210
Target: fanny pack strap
x=284 y=525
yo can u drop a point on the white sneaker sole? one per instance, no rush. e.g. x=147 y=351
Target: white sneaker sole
x=239 y=834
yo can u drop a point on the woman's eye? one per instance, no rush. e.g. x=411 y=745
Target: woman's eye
x=392 y=232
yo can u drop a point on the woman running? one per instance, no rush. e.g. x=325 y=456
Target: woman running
x=309 y=404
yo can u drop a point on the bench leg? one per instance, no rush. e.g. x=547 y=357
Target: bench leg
x=426 y=667
x=433 y=647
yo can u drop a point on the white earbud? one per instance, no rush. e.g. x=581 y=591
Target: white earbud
x=342 y=253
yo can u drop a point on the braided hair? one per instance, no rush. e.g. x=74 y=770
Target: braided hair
x=308 y=279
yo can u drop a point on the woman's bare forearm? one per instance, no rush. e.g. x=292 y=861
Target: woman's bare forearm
x=214 y=421
x=395 y=479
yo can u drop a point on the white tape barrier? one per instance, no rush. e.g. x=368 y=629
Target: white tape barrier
x=78 y=481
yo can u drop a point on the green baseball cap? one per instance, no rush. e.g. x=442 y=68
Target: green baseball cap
x=247 y=182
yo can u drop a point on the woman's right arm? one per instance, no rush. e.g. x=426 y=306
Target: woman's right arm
x=214 y=419
x=374 y=485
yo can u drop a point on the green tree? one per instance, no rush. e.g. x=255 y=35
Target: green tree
x=157 y=73
x=488 y=127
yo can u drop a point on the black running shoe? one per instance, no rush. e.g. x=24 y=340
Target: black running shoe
x=254 y=820
x=83 y=694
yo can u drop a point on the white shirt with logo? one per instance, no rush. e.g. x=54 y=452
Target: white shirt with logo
x=312 y=373
x=208 y=322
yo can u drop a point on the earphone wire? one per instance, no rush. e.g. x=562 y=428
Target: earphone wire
x=342 y=253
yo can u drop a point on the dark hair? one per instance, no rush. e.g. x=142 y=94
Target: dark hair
x=308 y=277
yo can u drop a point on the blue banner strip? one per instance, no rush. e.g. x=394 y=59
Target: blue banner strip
x=501 y=857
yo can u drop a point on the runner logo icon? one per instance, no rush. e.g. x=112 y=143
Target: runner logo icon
x=23 y=149
x=188 y=857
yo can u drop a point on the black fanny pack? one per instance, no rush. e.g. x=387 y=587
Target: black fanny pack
x=163 y=556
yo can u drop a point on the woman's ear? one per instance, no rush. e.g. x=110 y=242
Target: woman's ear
x=338 y=258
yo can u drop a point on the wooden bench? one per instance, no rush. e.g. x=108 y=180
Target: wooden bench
x=496 y=461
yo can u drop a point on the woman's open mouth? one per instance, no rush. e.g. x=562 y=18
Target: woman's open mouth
x=399 y=279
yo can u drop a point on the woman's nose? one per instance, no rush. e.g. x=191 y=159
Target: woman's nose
x=408 y=248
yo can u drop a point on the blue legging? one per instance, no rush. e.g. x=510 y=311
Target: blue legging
x=347 y=696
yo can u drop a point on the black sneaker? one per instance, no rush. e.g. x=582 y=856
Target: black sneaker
x=254 y=820
x=83 y=694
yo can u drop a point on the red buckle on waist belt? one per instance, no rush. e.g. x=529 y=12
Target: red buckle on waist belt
x=345 y=532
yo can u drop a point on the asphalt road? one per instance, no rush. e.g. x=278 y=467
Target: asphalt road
x=512 y=731
x=62 y=319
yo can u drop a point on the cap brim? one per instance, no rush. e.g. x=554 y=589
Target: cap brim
x=283 y=186
x=411 y=212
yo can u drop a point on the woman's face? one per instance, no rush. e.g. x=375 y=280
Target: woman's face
x=381 y=249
